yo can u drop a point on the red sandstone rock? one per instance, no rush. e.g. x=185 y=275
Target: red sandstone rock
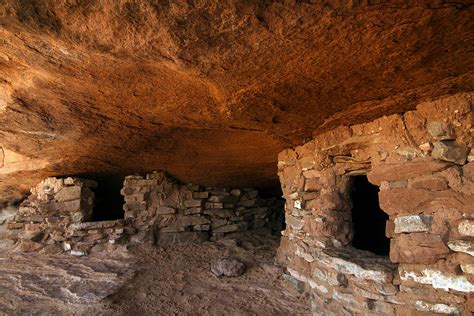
x=417 y=248
x=404 y=171
x=403 y=201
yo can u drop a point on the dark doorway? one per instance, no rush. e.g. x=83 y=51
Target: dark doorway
x=108 y=200
x=368 y=219
x=276 y=220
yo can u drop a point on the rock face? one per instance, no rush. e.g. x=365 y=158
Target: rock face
x=227 y=267
x=136 y=86
x=59 y=279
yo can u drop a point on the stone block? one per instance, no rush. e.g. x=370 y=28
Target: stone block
x=214 y=199
x=390 y=229
x=213 y=206
x=467 y=268
x=201 y=227
x=221 y=213
x=328 y=201
x=236 y=192
x=466 y=228
x=193 y=203
x=312 y=184
x=468 y=171
x=465 y=246
x=412 y=201
x=231 y=228
x=310 y=195
x=417 y=248
x=359 y=264
x=128 y=191
x=440 y=130
x=398 y=184
x=217 y=222
x=311 y=174
x=68 y=194
x=192 y=221
x=436 y=278
x=294 y=223
x=405 y=170
x=450 y=151
x=413 y=223
x=161 y=210
x=200 y=195
x=193 y=210
x=428 y=183
x=438 y=308
x=70 y=206
x=306 y=163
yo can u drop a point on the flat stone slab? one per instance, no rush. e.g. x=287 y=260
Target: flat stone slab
x=413 y=223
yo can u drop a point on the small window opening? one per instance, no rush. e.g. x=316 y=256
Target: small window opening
x=108 y=200
x=368 y=218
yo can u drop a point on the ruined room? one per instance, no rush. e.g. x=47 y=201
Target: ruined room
x=236 y=157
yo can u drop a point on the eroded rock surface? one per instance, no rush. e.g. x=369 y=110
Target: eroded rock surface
x=34 y=282
x=210 y=91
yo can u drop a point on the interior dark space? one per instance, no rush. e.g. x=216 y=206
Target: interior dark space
x=368 y=218
x=108 y=200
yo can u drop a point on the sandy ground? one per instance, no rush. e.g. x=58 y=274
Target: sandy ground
x=178 y=281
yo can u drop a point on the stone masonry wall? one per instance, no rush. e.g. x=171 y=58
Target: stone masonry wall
x=422 y=162
x=164 y=212
x=54 y=218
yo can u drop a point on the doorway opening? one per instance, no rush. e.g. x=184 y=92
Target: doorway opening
x=276 y=221
x=368 y=218
x=108 y=200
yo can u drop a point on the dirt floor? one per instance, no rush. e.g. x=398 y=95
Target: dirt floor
x=178 y=281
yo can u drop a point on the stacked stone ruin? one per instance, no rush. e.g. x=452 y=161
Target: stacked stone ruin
x=422 y=162
x=56 y=218
x=164 y=212
x=57 y=215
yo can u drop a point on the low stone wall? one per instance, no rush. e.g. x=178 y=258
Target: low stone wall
x=164 y=211
x=54 y=218
x=422 y=162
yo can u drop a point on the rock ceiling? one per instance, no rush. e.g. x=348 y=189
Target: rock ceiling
x=210 y=90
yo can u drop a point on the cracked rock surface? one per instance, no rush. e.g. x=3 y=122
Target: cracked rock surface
x=57 y=283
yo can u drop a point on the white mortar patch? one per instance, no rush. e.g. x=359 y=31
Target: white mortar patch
x=436 y=308
x=347 y=267
x=462 y=246
x=439 y=280
x=413 y=223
